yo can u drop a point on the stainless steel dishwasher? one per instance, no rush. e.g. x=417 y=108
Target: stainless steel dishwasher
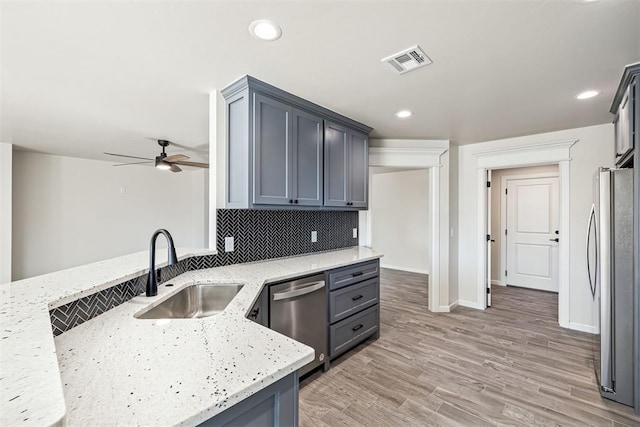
x=298 y=309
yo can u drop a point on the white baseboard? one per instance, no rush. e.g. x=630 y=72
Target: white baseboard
x=583 y=328
x=498 y=282
x=470 y=304
x=410 y=270
x=453 y=305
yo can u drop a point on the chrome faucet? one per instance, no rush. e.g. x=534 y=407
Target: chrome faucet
x=152 y=281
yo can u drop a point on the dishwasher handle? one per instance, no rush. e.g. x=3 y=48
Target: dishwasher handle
x=311 y=287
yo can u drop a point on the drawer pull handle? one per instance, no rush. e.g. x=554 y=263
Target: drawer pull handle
x=356 y=298
x=355 y=328
x=356 y=274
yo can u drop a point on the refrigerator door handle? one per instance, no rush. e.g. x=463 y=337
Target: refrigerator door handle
x=592 y=224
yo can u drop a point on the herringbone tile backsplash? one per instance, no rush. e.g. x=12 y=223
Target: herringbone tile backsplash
x=258 y=235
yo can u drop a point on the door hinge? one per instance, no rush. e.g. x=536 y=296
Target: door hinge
x=488 y=184
x=488 y=290
x=488 y=237
x=505 y=273
x=505 y=232
x=506 y=191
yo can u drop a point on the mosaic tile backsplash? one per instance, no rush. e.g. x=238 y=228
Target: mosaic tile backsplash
x=258 y=235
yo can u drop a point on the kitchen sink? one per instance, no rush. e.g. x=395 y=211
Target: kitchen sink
x=194 y=301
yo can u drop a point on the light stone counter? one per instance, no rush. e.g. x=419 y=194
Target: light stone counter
x=119 y=370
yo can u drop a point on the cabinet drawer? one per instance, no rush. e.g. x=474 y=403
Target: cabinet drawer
x=352 y=299
x=351 y=331
x=353 y=274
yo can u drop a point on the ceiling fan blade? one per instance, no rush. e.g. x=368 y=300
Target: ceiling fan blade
x=134 y=163
x=131 y=157
x=176 y=158
x=194 y=164
x=175 y=168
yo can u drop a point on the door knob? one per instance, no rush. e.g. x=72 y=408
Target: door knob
x=554 y=240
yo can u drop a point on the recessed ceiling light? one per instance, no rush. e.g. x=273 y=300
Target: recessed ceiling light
x=588 y=94
x=264 y=29
x=403 y=114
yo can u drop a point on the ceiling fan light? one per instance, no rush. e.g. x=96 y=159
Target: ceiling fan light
x=161 y=164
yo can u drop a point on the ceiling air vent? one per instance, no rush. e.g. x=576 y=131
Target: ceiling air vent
x=408 y=59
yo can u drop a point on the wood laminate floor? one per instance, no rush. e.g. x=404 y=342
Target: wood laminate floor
x=509 y=365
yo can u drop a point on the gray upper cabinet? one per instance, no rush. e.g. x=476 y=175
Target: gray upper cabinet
x=358 y=169
x=336 y=144
x=624 y=126
x=346 y=154
x=273 y=151
x=307 y=159
x=288 y=155
x=626 y=120
x=284 y=151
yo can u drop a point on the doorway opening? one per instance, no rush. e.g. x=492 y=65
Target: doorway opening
x=524 y=232
x=399 y=213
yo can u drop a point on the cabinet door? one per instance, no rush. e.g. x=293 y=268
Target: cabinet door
x=358 y=169
x=272 y=151
x=336 y=174
x=624 y=126
x=307 y=159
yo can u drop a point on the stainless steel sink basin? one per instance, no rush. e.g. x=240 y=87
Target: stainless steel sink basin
x=194 y=301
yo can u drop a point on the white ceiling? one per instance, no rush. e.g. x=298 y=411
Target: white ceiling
x=80 y=78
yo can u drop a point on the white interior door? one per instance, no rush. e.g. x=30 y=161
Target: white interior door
x=533 y=233
x=488 y=232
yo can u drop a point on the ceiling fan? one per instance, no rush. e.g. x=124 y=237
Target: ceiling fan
x=163 y=161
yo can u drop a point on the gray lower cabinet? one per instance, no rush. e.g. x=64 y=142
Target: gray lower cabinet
x=259 y=313
x=354 y=309
x=275 y=405
x=276 y=152
x=346 y=171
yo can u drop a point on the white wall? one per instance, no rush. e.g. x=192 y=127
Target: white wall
x=594 y=147
x=399 y=205
x=6 y=160
x=497 y=194
x=69 y=211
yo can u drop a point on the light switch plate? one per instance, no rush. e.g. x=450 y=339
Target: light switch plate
x=355 y=233
x=228 y=244
x=314 y=236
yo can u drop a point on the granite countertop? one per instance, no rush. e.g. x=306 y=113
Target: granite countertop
x=119 y=370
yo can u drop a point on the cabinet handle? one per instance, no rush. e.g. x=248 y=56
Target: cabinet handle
x=355 y=328
x=295 y=201
x=618 y=154
x=290 y=200
x=356 y=298
x=357 y=273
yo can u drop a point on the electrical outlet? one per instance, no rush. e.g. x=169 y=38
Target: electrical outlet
x=355 y=233
x=314 y=236
x=228 y=244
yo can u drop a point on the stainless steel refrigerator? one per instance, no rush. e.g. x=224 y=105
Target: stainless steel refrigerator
x=610 y=268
